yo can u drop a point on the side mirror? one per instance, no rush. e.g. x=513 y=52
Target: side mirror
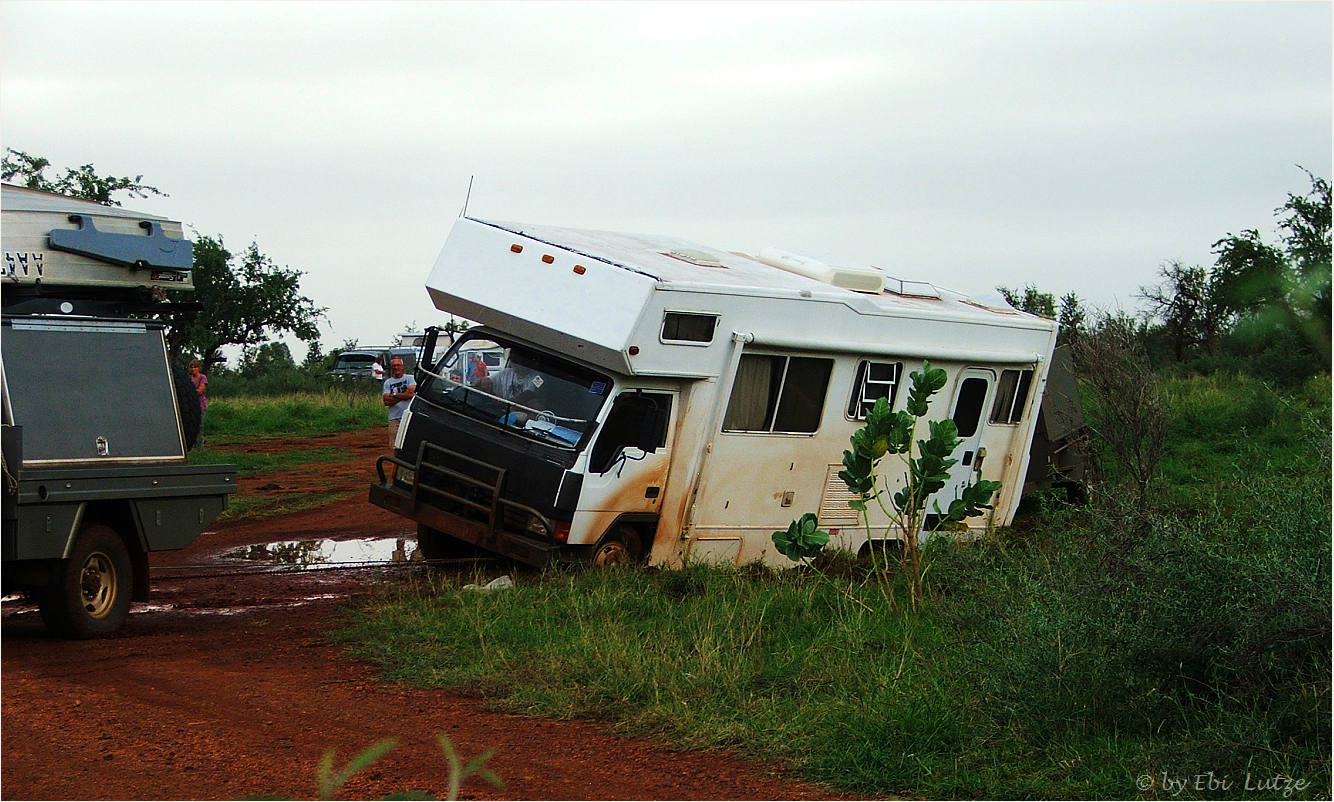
x=427 y=355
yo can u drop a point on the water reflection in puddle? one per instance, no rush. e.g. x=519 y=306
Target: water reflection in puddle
x=327 y=553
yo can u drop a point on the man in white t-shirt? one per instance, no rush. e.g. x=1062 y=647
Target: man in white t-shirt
x=399 y=389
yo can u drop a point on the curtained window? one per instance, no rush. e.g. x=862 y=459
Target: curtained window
x=778 y=394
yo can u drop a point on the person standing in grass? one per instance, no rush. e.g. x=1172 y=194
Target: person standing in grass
x=399 y=388
x=200 y=381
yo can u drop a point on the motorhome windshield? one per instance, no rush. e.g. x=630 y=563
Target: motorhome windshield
x=516 y=387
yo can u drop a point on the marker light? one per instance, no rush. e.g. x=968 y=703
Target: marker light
x=580 y=269
x=548 y=258
x=517 y=248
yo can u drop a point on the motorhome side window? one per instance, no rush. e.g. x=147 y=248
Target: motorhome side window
x=687 y=327
x=1011 y=396
x=875 y=380
x=778 y=394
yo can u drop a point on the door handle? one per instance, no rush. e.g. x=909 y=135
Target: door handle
x=651 y=492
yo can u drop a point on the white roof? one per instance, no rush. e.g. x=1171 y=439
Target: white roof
x=649 y=255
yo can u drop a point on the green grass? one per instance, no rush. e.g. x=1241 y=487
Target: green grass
x=1064 y=658
x=292 y=415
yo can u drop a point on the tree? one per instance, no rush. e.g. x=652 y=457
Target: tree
x=1031 y=300
x=1271 y=288
x=82 y=182
x=1043 y=304
x=315 y=356
x=1131 y=419
x=271 y=357
x=245 y=304
x=1071 y=320
x=1186 y=300
x=889 y=433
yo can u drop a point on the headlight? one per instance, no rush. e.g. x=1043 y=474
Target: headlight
x=407 y=476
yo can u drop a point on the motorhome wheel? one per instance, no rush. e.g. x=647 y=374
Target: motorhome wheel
x=621 y=547
x=90 y=596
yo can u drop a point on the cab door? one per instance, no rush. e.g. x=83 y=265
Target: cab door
x=629 y=458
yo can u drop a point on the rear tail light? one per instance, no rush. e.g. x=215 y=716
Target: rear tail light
x=562 y=531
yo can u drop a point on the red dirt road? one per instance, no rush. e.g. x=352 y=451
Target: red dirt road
x=225 y=688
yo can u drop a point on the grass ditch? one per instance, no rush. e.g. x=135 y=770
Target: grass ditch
x=1057 y=659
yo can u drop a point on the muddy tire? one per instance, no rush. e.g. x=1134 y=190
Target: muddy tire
x=620 y=547
x=90 y=593
x=436 y=545
x=192 y=417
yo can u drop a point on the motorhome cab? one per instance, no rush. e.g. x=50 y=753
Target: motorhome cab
x=651 y=398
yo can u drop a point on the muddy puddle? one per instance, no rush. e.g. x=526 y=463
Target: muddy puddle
x=304 y=554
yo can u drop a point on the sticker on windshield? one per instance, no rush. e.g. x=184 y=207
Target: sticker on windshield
x=597 y=388
x=537 y=382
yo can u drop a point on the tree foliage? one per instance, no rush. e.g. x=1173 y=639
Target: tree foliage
x=1072 y=319
x=1189 y=304
x=1262 y=296
x=246 y=303
x=1070 y=316
x=1113 y=368
x=81 y=182
x=1030 y=299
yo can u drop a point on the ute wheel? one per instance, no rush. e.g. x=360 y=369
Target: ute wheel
x=620 y=547
x=436 y=545
x=192 y=417
x=90 y=593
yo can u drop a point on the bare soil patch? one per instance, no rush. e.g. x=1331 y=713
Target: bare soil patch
x=224 y=687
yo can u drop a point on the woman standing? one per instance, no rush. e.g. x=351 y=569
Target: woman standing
x=200 y=382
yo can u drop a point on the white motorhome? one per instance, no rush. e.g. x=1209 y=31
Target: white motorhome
x=673 y=402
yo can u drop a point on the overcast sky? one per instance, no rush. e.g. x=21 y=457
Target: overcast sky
x=1075 y=146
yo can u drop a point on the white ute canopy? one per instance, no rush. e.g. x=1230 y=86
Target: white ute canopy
x=644 y=305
